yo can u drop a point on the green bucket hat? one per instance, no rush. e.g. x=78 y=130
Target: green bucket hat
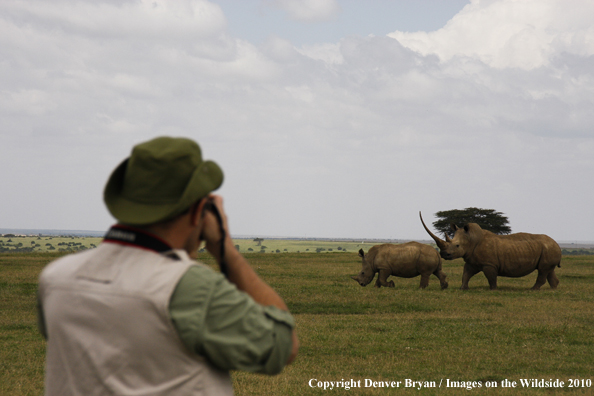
x=161 y=179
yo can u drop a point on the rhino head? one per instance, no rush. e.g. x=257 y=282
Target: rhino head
x=464 y=240
x=367 y=273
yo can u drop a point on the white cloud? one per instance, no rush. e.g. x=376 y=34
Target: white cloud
x=327 y=52
x=31 y=102
x=156 y=19
x=349 y=139
x=526 y=34
x=308 y=10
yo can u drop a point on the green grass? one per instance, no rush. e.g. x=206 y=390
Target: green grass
x=388 y=334
x=302 y=246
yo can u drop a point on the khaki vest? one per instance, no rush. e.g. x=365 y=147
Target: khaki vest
x=109 y=330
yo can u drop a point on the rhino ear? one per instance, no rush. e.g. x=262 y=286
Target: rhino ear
x=361 y=253
x=466 y=228
x=454 y=227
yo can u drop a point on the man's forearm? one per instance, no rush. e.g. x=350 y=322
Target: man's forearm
x=240 y=273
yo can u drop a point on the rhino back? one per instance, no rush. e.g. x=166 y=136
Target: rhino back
x=406 y=260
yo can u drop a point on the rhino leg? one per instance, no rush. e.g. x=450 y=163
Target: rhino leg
x=382 y=279
x=424 y=280
x=491 y=275
x=377 y=283
x=469 y=272
x=552 y=278
x=540 y=279
x=442 y=278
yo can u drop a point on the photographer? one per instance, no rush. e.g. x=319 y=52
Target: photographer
x=137 y=315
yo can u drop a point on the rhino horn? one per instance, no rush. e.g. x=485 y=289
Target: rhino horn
x=447 y=238
x=440 y=242
x=355 y=278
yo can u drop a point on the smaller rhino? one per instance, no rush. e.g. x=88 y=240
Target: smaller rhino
x=406 y=260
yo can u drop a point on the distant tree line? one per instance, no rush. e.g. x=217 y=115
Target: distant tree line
x=17 y=247
x=577 y=252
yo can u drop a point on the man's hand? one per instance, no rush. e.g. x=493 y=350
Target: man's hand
x=211 y=228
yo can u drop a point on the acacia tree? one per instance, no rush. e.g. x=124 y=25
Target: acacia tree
x=487 y=219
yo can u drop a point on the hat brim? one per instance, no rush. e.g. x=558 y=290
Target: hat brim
x=205 y=179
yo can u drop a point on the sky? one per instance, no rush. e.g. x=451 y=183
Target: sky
x=330 y=118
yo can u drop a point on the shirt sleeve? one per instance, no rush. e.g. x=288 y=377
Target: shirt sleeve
x=216 y=320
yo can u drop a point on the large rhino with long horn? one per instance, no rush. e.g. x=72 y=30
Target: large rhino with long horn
x=513 y=255
x=406 y=260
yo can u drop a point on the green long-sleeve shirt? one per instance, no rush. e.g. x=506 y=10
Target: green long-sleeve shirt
x=216 y=320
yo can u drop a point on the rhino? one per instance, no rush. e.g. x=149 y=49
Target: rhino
x=513 y=255
x=406 y=260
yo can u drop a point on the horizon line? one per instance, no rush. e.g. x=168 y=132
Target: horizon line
x=56 y=231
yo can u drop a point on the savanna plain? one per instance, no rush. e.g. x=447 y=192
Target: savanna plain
x=348 y=332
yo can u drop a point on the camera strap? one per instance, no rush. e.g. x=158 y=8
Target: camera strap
x=125 y=235
x=215 y=211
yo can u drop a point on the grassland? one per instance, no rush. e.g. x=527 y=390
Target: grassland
x=348 y=332
x=39 y=244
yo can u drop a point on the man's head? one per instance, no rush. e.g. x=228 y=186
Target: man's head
x=161 y=179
